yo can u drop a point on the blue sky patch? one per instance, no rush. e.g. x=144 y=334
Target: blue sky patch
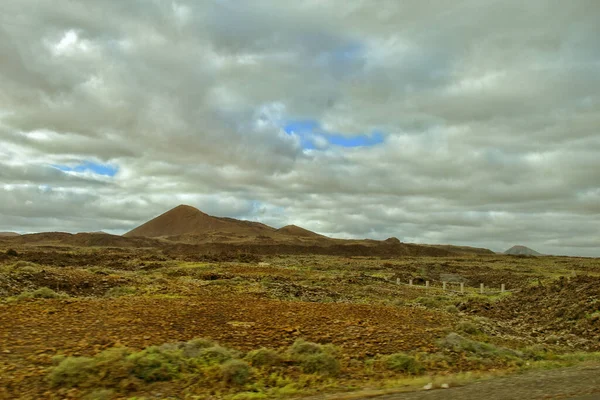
x=96 y=168
x=310 y=131
x=356 y=141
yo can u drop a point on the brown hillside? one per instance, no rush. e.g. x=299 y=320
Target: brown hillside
x=184 y=220
x=6 y=234
x=80 y=240
x=293 y=230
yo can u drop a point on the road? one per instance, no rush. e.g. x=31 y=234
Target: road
x=574 y=383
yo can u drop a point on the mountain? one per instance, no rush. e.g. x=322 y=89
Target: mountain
x=293 y=230
x=187 y=230
x=519 y=250
x=9 y=234
x=187 y=220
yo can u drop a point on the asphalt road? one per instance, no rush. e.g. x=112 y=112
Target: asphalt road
x=576 y=383
x=581 y=382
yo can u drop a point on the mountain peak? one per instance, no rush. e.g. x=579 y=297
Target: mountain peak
x=185 y=219
x=522 y=250
x=185 y=207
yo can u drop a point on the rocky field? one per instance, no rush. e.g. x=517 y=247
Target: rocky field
x=108 y=323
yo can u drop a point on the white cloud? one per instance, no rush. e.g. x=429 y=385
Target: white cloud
x=490 y=112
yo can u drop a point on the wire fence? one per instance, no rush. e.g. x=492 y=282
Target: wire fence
x=456 y=287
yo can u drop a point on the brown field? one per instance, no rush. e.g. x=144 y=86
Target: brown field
x=132 y=298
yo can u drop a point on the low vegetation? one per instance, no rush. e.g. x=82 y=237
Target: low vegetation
x=85 y=302
x=201 y=361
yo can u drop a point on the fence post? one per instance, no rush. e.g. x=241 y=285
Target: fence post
x=426 y=284
x=462 y=287
x=481 y=288
x=502 y=288
x=444 y=285
x=410 y=282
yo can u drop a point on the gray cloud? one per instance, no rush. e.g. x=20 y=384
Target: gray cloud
x=489 y=113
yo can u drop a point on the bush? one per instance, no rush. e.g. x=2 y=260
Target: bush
x=537 y=352
x=25 y=266
x=320 y=363
x=236 y=371
x=315 y=358
x=401 y=362
x=458 y=343
x=119 y=370
x=215 y=355
x=302 y=347
x=452 y=309
x=41 y=293
x=468 y=327
x=263 y=358
x=432 y=301
x=156 y=364
x=194 y=347
x=12 y=253
x=72 y=371
x=102 y=394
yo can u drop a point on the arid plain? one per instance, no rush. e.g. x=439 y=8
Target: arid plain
x=199 y=307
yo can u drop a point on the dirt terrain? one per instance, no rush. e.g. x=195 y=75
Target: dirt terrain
x=58 y=299
x=31 y=332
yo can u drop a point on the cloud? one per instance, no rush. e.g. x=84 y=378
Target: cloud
x=474 y=123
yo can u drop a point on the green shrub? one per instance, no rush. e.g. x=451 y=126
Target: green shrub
x=432 y=301
x=458 y=343
x=155 y=364
x=215 y=355
x=72 y=371
x=468 y=327
x=428 y=302
x=122 y=369
x=595 y=316
x=401 y=362
x=302 y=347
x=315 y=358
x=436 y=360
x=320 y=363
x=41 y=293
x=23 y=264
x=236 y=371
x=101 y=394
x=263 y=358
x=452 y=309
x=194 y=347
x=114 y=365
x=537 y=352
x=12 y=253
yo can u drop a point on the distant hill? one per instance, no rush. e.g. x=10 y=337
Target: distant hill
x=186 y=225
x=9 y=234
x=294 y=230
x=464 y=249
x=519 y=250
x=80 y=239
x=187 y=220
x=190 y=231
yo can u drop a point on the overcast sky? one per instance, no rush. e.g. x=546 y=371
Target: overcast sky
x=464 y=122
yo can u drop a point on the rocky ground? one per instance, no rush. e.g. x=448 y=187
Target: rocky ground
x=107 y=297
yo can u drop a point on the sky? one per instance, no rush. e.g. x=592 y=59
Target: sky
x=470 y=122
